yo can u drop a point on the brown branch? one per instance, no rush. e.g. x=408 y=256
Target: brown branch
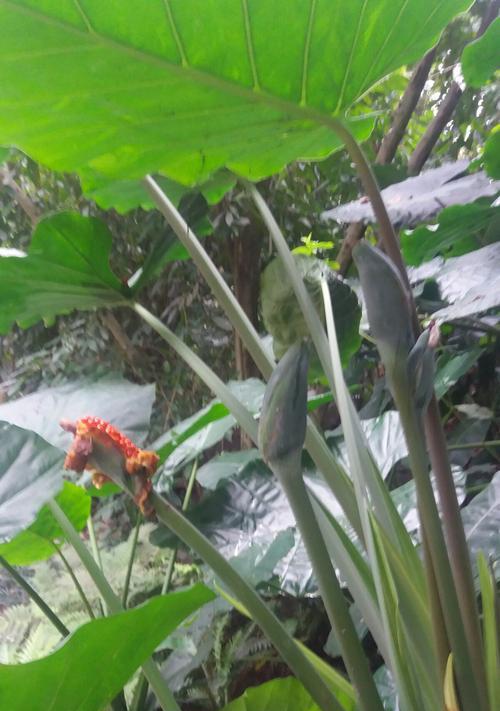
x=22 y=199
x=389 y=146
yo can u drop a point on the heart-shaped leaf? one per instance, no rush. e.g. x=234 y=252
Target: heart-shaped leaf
x=30 y=475
x=36 y=542
x=185 y=87
x=97 y=660
x=67 y=268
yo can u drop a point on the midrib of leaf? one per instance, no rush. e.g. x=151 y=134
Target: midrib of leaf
x=196 y=75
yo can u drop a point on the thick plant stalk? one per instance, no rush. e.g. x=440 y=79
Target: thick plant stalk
x=39 y=601
x=151 y=671
x=281 y=437
x=323 y=458
x=411 y=382
x=435 y=438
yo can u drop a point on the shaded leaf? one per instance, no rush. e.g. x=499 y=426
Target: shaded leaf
x=460 y=229
x=66 y=268
x=481 y=519
x=30 y=475
x=450 y=368
x=418 y=199
x=96 y=661
x=124 y=404
x=188 y=87
x=35 y=543
x=284 y=694
x=470 y=283
x=191 y=437
x=480 y=59
x=283 y=316
x=224 y=466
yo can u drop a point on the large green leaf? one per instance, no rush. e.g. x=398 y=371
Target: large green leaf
x=66 y=268
x=284 y=694
x=35 y=543
x=30 y=474
x=96 y=661
x=126 y=405
x=187 y=86
x=481 y=59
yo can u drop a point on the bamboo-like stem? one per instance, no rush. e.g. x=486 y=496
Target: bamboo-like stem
x=151 y=671
x=435 y=439
x=133 y=549
x=75 y=580
x=334 y=474
x=37 y=599
x=259 y=611
x=289 y=473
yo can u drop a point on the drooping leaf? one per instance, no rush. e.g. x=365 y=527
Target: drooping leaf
x=460 y=229
x=470 y=283
x=224 y=466
x=283 y=317
x=185 y=88
x=481 y=520
x=450 y=368
x=66 y=268
x=30 y=475
x=491 y=154
x=124 y=404
x=96 y=661
x=285 y=694
x=418 y=199
x=35 y=543
x=480 y=59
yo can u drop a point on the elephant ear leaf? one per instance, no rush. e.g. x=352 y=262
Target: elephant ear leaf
x=66 y=268
x=189 y=86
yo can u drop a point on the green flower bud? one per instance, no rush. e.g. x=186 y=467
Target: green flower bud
x=282 y=426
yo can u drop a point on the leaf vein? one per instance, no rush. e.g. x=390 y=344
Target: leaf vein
x=351 y=56
x=175 y=32
x=307 y=47
x=84 y=16
x=250 y=45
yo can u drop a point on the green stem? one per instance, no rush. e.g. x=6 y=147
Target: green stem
x=185 y=503
x=75 y=580
x=244 y=418
x=133 y=549
x=289 y=473
x=436 y=442
x=475 y=445
x=151 y=671
x=39 y=601
x=334 y=474
x=258 y=610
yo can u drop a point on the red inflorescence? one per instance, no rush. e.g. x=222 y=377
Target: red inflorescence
x=128 y=448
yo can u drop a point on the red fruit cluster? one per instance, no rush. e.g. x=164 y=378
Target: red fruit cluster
x=96 y=424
